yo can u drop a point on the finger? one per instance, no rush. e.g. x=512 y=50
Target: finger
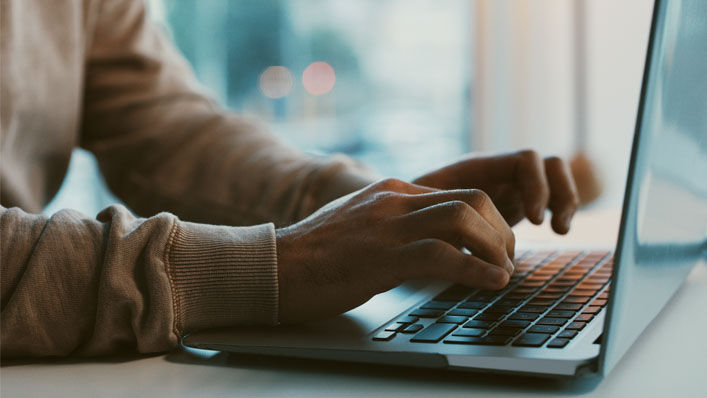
x=459 y=224
x=475 y=198
x=563 y=194
x=399 y=186
x=530 y=176
x=436 y=259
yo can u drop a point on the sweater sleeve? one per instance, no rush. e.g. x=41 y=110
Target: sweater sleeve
x=162 y=144
x=72 y=285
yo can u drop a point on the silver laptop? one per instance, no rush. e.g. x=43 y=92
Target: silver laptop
x=564 y=313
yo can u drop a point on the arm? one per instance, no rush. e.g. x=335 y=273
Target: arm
x=163 y=145
x=72 y=285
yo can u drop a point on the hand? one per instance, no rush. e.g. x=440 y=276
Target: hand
x=521 y=184
x=374 y=239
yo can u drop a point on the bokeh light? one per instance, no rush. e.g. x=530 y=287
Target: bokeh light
x=275 y=82
x=318 y=78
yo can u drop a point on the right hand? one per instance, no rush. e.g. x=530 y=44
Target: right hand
x=374 y=239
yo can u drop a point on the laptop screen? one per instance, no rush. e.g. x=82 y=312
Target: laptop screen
x=664 y=222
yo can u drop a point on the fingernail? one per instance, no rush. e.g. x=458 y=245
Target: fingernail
x=496 y=275
x=541 y=215
x=510 y=267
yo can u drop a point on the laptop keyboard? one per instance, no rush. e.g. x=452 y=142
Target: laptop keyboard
x=550 y=298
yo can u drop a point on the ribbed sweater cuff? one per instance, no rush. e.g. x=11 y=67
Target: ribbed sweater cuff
x=222 y=275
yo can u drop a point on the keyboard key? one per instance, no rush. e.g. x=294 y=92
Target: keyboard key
x=413 y=328
x=477 y=305
x=568 y=334
x=515 y=324
x=582 y=292
x=520 y=296
x=576 y=300
x=544 y=329
x=584 y=317
x=471 y=332
x=563 y=283
x=591 y=310
x=532 y=284
x=485 y=298
x=561 y=314
x=452 y=319
x=552 y=321
x=477 y=324
x=576 y=325
x=423 y=313
x=566 y=280
x=534 y=308
x=496 y=340
x=558 y=343
x=489 y=317
x=463 y=340
x=599 y=302
x=394 y=327
x=433 y=333
x=511 y=302
x=439 y=305
x=462 y=312
x=568 y=307
x=524 y=316
x=531 y=340
x=592 y=286
x=500 y=309
x=548 y=296
x=384 y=335
x=555 y=289
x=501 y=331
x=541 y=302
x=407 y=319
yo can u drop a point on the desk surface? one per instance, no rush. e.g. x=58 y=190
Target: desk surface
x=669 y=359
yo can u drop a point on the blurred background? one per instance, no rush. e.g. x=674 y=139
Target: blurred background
x=409 y=85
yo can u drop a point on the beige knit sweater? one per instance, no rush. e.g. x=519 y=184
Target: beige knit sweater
x=97 y=74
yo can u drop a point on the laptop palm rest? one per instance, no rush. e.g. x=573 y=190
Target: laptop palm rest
x=348 y=328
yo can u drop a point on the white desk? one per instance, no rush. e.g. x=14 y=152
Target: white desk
x=669 y=360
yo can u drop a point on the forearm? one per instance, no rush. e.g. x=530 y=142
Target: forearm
x=73 y=285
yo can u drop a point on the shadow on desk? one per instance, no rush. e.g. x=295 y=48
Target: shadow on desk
x=353 y=372
x=113 y=359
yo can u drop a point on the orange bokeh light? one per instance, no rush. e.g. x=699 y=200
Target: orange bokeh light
x=318 y=78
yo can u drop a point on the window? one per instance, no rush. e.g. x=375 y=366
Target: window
x=389 y=81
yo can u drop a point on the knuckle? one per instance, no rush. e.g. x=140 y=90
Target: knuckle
x=529 y=154
x=389 y=184
x=554 y=160
x=387 y=199
x=479 y=198
x=499 y=244
x=456 y=210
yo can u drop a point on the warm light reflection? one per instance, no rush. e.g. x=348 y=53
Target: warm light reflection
x=275 y=82
x=318 y=78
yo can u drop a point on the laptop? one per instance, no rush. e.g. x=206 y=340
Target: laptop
x=564 y=312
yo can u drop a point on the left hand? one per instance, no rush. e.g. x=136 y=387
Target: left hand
x=520 y=184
